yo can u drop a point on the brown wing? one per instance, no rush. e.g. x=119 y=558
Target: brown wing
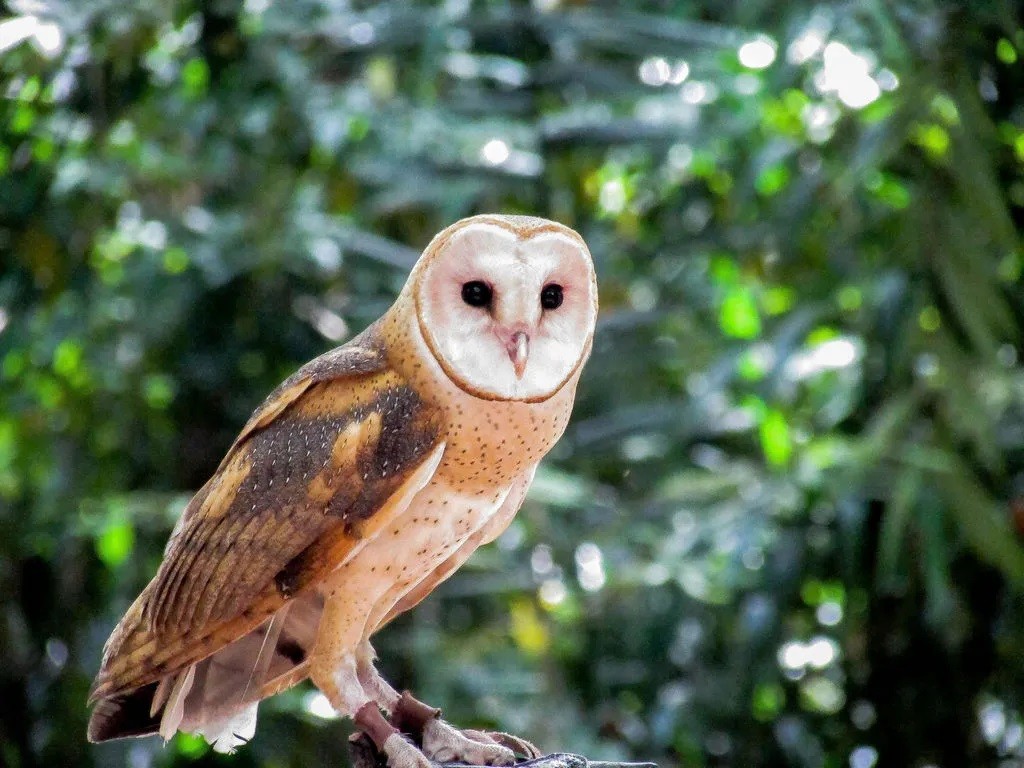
x=298 y=487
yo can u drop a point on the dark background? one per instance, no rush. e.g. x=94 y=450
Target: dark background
x=784 y=527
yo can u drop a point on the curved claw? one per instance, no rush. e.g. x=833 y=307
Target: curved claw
x=521 y=748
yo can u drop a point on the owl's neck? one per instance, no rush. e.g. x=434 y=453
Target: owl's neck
x=507 y=437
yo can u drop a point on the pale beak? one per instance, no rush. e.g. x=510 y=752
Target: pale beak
x=518 y=350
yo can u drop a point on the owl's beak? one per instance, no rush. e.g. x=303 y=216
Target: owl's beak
x=518 y=350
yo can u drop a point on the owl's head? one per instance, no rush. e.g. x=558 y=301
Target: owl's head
x=507 y=305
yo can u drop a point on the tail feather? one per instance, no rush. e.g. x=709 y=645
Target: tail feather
x=124 y=716
x=268 y=648
x=134 y=656
x=217 y=696
x=163 y=691
x=230 y=733
x=174 y=709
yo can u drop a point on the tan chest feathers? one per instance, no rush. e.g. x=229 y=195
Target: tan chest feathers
x=491 y=446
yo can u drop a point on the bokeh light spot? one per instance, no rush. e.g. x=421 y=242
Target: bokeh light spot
x=757 y=54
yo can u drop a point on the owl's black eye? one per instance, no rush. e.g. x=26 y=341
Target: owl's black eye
x=477 y=293
x=551 y=296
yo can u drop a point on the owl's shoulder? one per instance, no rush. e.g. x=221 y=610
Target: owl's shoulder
x=361 y=355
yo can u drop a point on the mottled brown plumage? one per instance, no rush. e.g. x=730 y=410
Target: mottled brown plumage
x=362 y=481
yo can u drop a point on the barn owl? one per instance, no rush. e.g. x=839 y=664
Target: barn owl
x=361 y=483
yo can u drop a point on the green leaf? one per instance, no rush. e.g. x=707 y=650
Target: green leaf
x=772 y=180
x=778 y=299
x=767 y=701
x=175 y=260
x=1005 y=51
x=195 y=77
x=889 y=190
x=191 y=746
x=894 y=525
x=776 y=441
x=158 y=390
x=738 y=316
x=67 y=357
x=984 y=522
x=115 y=543
x=934 y=139
x=751 y=366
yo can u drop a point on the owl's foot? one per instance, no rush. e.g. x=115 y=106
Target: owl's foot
x=402 y=753
x=445 y=744
x=410 y=715
x=523 y=749
x=396 y=748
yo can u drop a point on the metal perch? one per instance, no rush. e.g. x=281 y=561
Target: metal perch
x=365 y=755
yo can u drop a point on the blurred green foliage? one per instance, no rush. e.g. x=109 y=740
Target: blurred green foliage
x=784 y=528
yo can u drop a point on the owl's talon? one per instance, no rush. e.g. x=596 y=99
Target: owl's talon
x=519 y=746
x=481 y=737
x=402 y=753
x=445 y=744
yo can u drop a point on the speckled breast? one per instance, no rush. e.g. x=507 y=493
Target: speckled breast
x=490 y=442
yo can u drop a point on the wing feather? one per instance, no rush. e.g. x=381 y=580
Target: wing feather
x=219 y=572
x=199 y=526
x=135 y=657
x=299 y=487
x=184 y=561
